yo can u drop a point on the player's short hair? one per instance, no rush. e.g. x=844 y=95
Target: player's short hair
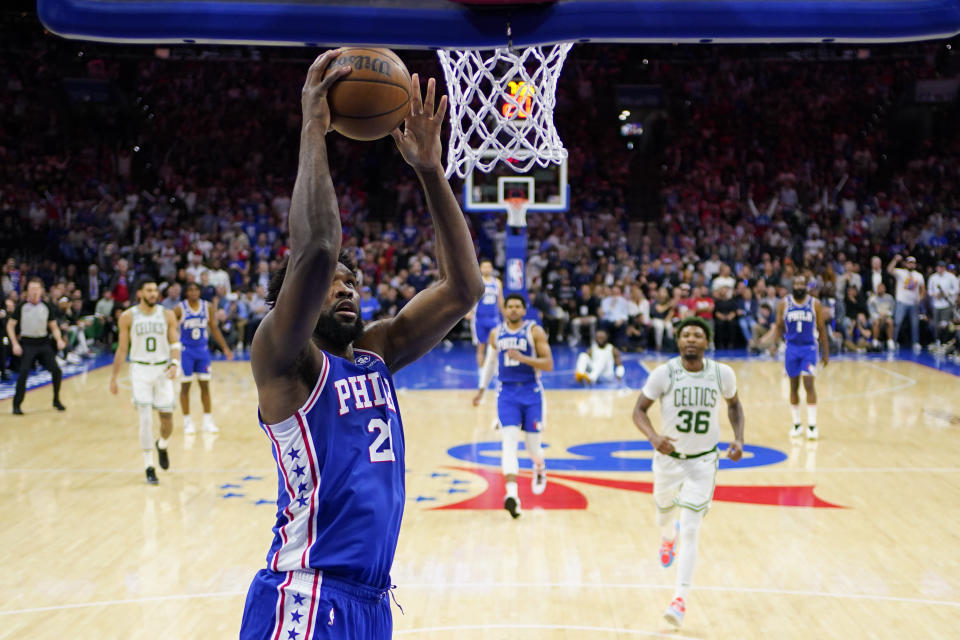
x=515 y=296
x=144 y=281
x=276 y=281
x=485 y=259
x=696 y=322
x=191 y=284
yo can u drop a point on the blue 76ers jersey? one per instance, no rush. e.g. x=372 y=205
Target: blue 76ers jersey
x=800 y=322
x=512 y=371
x=193 y=326
x=340 y=462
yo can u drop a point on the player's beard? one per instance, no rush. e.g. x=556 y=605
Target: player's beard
x=336 y=333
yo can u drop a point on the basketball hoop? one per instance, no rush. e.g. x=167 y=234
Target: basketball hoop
x=516 y=211
x=501 y=107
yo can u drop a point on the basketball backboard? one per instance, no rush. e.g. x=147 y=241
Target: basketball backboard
x=464 y=25
x=544 y=188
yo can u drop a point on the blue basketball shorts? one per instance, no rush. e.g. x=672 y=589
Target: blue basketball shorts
x=195 y=362
x=311 y=605
x=480 y=329
x=521 y=405
x=801 y=360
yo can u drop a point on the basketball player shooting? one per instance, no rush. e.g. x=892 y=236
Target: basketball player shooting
x=326 y=394
x=685 y=455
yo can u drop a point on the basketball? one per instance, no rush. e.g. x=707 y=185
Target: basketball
x=374 y=98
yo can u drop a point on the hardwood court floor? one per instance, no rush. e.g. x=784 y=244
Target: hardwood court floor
x=89 y=551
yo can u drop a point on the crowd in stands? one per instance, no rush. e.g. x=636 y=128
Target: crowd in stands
x=183 y=169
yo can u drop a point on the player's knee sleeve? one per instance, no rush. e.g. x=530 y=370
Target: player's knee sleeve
x=690 y=525
x=508 y=461
x=534 y=445
x=145 y=413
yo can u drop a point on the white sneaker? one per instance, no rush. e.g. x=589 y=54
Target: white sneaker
x=73 y=358
x=538 y=484
x=675 y=612
x=796 y=431
x=188 y=428
x=812 y=433
x=209 y=426
x=916 y=347
x=60 y=361
x=891 y=345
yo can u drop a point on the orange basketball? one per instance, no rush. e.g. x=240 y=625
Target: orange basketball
x=374 y=98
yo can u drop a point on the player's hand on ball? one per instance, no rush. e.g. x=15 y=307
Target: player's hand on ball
x=419 y=142
x=735 y=451
x=313 y=98
x=663 y=444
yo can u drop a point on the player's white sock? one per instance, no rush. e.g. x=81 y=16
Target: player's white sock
x=812 y=414
x=508 y=459
x=162 y=443
x=148 y=458
x=208 y=417
x=512 y=489
x=666 y=521
x=687 y=553
x=795 y=412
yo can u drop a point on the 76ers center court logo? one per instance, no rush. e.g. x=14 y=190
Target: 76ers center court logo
x=479 y=484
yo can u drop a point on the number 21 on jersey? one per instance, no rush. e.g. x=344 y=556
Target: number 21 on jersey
x=384 y=435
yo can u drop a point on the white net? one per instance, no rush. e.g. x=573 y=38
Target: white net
x=501 y=107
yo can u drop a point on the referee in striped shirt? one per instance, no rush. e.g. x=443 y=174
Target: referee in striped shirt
x=37 y=320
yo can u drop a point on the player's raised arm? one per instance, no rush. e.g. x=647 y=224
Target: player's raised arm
x=427 y=318
x=123 y=344
x=315 y=236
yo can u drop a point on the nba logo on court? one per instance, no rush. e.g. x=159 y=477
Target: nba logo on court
x=514 y=273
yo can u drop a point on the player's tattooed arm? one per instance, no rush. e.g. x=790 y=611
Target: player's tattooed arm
x=544 y=356
x=735 y=414
x=822 y=329
x=661 y=443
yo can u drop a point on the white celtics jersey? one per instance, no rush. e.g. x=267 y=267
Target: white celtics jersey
x=690 y=402
x=148 y=337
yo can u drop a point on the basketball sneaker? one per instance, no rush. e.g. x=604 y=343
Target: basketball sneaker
x=668 y=548
x=675 y=612
x=188 y=428
x=162 y=457
x=512 y=505
x=152 y=476
x=796 y=431
x=812 y=433
x=538 y=484
x=209 y=426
